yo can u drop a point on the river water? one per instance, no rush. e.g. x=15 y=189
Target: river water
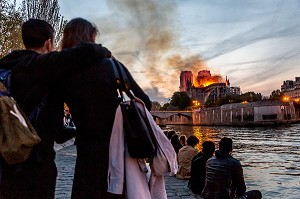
x=270 y=156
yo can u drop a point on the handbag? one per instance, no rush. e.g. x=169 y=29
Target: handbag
x=139 y=136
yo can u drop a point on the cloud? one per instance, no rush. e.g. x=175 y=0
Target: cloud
x=157 y=39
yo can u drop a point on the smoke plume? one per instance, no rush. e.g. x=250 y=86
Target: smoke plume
x=142 y=35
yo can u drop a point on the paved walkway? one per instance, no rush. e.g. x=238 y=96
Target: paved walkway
x=65 y=160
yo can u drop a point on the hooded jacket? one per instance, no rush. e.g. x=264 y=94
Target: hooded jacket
x=224 y=177
x=33 y=77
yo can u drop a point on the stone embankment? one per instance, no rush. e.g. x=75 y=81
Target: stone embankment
x=65 y=161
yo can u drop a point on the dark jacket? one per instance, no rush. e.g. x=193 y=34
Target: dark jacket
x=93 y=99
x=224 y=177
x=33 y=77
x=198 y=173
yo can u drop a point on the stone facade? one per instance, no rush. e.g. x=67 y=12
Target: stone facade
x=262 y=112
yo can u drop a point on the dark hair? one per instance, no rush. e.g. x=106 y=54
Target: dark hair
x=170 y=134
x=35 y=32
x=182 y=138
x=192 y=141
x=78 y=30
x=225 y=144
x=208 y=147
x=174 y=139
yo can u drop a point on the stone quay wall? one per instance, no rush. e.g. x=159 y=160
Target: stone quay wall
x=254 y=113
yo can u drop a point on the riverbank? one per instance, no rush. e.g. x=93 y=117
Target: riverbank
x=65 y=161
x=260 y=113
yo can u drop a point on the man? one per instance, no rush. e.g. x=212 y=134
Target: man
x=35 y=75
x=198 y=169
x=224 y=175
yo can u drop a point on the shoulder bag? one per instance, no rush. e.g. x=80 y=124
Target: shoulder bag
x=139 y=136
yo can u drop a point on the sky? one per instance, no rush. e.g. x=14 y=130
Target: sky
x=255 y=43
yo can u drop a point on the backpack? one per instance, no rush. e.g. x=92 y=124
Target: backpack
x=17 y=135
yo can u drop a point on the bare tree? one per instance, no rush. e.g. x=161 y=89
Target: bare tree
x=47 y=10
x=10 y=26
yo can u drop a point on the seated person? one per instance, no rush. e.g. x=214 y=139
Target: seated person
x=198 y=167
x=185 y=156
x=182 y=140
x=224 y=176
x=176 y=143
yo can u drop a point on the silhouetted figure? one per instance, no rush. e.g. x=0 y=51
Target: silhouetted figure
x=224 y=176
x=170 y=134
x=93 y=99
x=176 y=143
x=36 y=73
x=182 y=140
x=198 y=167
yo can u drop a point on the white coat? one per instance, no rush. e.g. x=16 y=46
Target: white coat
x=128 y=175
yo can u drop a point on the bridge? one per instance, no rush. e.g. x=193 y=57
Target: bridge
x=172 y=117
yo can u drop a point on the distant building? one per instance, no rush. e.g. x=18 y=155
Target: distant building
x=186 y=80
x=291 y=89
x=287 y=85
x=235 y=90
x=206 y=86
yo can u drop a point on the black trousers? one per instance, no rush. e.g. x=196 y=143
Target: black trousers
x=32 y=181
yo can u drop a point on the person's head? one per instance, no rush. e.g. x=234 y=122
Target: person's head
x=78 y=30
x=170 y=134
x=175 y=140
x=225 y=145
x=192 y=141
x=38 y=35
x=182 y=140
x=208 y=148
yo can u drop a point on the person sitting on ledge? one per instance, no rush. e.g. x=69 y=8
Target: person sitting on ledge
x=224 y=176
x=185 y=156
x=198 y=168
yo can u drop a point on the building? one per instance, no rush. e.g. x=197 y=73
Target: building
x=206 y=86
x=287 y=85
x=235 y=90
x=186 y=80
x=291 y=89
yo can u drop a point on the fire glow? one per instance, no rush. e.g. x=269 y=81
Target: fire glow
x=205 y=79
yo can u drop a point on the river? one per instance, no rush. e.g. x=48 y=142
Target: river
x=270 y=156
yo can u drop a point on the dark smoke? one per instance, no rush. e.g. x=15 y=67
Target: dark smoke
x=141 y=34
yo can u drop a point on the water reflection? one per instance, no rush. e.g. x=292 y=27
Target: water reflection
x=269 y=155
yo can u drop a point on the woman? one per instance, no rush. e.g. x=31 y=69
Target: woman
x=176 y=143
x=185 y=156
x=92 y=96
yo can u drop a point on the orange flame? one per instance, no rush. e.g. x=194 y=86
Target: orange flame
x=206 y=81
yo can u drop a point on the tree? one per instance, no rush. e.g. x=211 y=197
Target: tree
x=250 y=97
x=165 y=107
x=11 y=19
x=10 y=26
x=47 y=10
x=180 y=100
x=228 y=99
x=276 y=95
x=155 y=106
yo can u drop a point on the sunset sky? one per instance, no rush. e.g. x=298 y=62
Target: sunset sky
x=255 y=43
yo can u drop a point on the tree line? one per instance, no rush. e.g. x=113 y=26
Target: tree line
x=13 y=15
x=181 y=100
